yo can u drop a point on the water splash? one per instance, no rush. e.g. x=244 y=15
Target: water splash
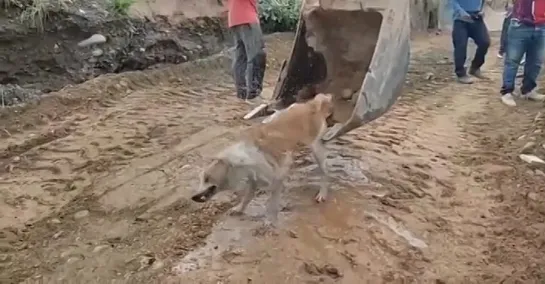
x=397 y=228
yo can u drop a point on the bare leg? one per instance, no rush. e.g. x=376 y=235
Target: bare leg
x=248 y=196
x=320 y=153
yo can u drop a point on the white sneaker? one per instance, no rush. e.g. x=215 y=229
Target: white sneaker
x=508 y=99
x=534 y=97
x=255 y=101
x=499 y=55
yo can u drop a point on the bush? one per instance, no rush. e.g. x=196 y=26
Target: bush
x=121 y=7
x=35 y=12
x=279 y=15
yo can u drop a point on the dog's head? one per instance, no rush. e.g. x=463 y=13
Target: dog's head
x=324 y=103
x=213 y=180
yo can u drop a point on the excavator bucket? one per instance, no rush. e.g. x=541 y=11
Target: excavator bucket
x=357 y=50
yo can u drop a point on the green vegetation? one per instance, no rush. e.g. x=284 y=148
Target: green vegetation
x=121 y=7
x=35 y=13
x=279 y=15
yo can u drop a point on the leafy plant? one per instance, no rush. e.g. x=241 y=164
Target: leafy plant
x=279 y=15
x=121 y=7
x=35 y=12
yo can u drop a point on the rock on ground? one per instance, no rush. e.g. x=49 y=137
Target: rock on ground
x=13 y=94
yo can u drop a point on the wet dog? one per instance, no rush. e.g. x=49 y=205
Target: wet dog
x=264 y=155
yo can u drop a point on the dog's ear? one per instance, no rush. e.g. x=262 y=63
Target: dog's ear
x=325 y=103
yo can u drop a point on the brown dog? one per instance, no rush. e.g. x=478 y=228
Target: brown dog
x=264 y=155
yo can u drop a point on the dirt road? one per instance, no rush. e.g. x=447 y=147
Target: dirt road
x=96 y=178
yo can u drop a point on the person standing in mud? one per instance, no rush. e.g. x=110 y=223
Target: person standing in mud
x=525 y=35
x=250 y=59
x=505 y=26
x=469 y=23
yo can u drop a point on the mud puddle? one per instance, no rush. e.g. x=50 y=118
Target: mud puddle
x=230 y=237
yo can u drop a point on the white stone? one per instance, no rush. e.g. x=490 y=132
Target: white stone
x=97 y=52
x=81 y=214
x=94 y=39
x=531 y=159
x=100 y=248
x=528 y=147
x=58 y=234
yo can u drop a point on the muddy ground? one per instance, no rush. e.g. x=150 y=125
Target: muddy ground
x=96 y=178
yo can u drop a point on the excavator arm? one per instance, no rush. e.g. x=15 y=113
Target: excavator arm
x=357 y=50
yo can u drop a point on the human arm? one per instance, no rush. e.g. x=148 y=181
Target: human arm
x=225 y=10
x=509 y=7
x=458 y=11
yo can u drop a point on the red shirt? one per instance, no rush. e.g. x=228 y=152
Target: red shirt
x=530 y=11
x=242 y=12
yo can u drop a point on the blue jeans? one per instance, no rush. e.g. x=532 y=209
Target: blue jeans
x=523 y=39
x=461 y=33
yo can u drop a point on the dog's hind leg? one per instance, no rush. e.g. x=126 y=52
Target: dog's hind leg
x=273 y=203
x=251 y=190
x=277 y=188
x=319 y=152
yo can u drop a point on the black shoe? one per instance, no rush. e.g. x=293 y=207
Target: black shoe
x=252 y=96
x=241 y=95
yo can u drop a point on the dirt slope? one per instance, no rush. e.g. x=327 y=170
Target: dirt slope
x=49 y=60
x=95 y=181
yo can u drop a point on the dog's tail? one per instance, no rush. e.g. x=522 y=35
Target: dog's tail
x=324 y=103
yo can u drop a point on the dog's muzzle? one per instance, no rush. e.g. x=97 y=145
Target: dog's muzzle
x=205 y=195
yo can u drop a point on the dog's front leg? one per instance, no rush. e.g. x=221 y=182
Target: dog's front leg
x=251 y=189
x=319 y=152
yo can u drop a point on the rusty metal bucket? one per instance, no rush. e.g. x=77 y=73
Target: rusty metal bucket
x=357 y=50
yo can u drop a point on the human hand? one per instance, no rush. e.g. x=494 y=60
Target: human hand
x=466 y=18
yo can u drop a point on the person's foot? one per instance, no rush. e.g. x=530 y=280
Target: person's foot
x=477 y=74
x=500 y=55
x=255 y=100
x=508 y=100
x=244 y=96
x=241 y=95
x=534 y=97
x=465 y=80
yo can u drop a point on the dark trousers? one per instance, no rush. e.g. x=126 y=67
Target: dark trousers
x=461 y=33
x=503 y=37
x=250 y=60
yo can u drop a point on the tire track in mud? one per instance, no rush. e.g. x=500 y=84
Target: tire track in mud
x=408 y=206
x=399 y=168
x=132 y=126
x=133 y=141
x=514 y=236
